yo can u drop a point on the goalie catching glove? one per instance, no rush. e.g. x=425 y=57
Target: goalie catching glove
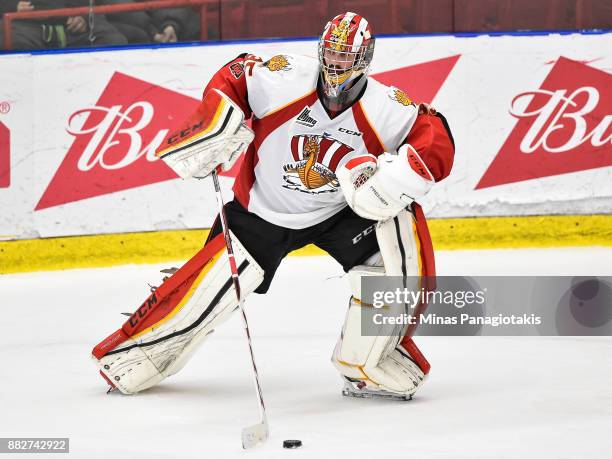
x=214 y=135
x=378 y=189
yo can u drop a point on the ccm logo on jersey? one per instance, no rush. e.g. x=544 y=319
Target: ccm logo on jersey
x=184 y=133
x=348 y=131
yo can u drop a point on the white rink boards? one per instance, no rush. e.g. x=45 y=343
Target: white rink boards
x=530 y=116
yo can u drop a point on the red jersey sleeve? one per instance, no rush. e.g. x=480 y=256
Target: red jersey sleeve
x=231 y=80
x=431 y=137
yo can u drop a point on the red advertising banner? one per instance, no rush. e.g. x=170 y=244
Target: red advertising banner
x=5 y=156
x=114 y=148
x=566 y=126
x=530 y=117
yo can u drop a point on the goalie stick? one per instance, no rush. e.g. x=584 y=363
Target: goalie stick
x=257 y=433
x=216 y=134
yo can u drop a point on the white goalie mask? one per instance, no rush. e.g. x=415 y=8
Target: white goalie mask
x=346 y=48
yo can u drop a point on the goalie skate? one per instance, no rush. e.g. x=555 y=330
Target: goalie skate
x=359 y=390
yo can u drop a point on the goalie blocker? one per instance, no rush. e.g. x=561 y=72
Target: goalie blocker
x=215 y=134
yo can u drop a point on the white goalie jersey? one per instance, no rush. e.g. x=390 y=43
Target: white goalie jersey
x=288 y=177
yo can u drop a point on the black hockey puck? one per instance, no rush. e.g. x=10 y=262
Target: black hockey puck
x=292 y=444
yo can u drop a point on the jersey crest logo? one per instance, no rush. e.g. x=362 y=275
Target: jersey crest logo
x=401 y=97
x=315 y=160
x=277 y=63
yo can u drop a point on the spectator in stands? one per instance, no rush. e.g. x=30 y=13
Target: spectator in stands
x=58 y=32
x=167 y=25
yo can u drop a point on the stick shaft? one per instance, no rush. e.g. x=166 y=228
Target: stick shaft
x=236 y=282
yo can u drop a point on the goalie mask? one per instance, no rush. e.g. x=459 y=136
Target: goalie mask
x=345 y=53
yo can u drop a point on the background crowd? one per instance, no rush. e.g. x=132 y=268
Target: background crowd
x=240 y=19
x=149 y=26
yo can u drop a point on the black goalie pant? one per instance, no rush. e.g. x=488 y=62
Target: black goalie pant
x=347 y=237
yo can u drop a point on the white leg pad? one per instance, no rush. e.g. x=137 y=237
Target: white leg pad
x=145 y=359
x=380 y=363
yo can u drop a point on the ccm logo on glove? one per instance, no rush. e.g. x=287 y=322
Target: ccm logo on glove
x=417 y=164
x=184 y=133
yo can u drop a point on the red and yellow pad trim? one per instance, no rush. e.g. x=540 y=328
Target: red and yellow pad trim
x=427 y=270
x=168 y=299
x=201 y=123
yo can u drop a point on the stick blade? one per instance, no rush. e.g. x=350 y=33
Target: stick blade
x=255 y=434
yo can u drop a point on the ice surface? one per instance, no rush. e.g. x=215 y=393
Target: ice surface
x=486 y=396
